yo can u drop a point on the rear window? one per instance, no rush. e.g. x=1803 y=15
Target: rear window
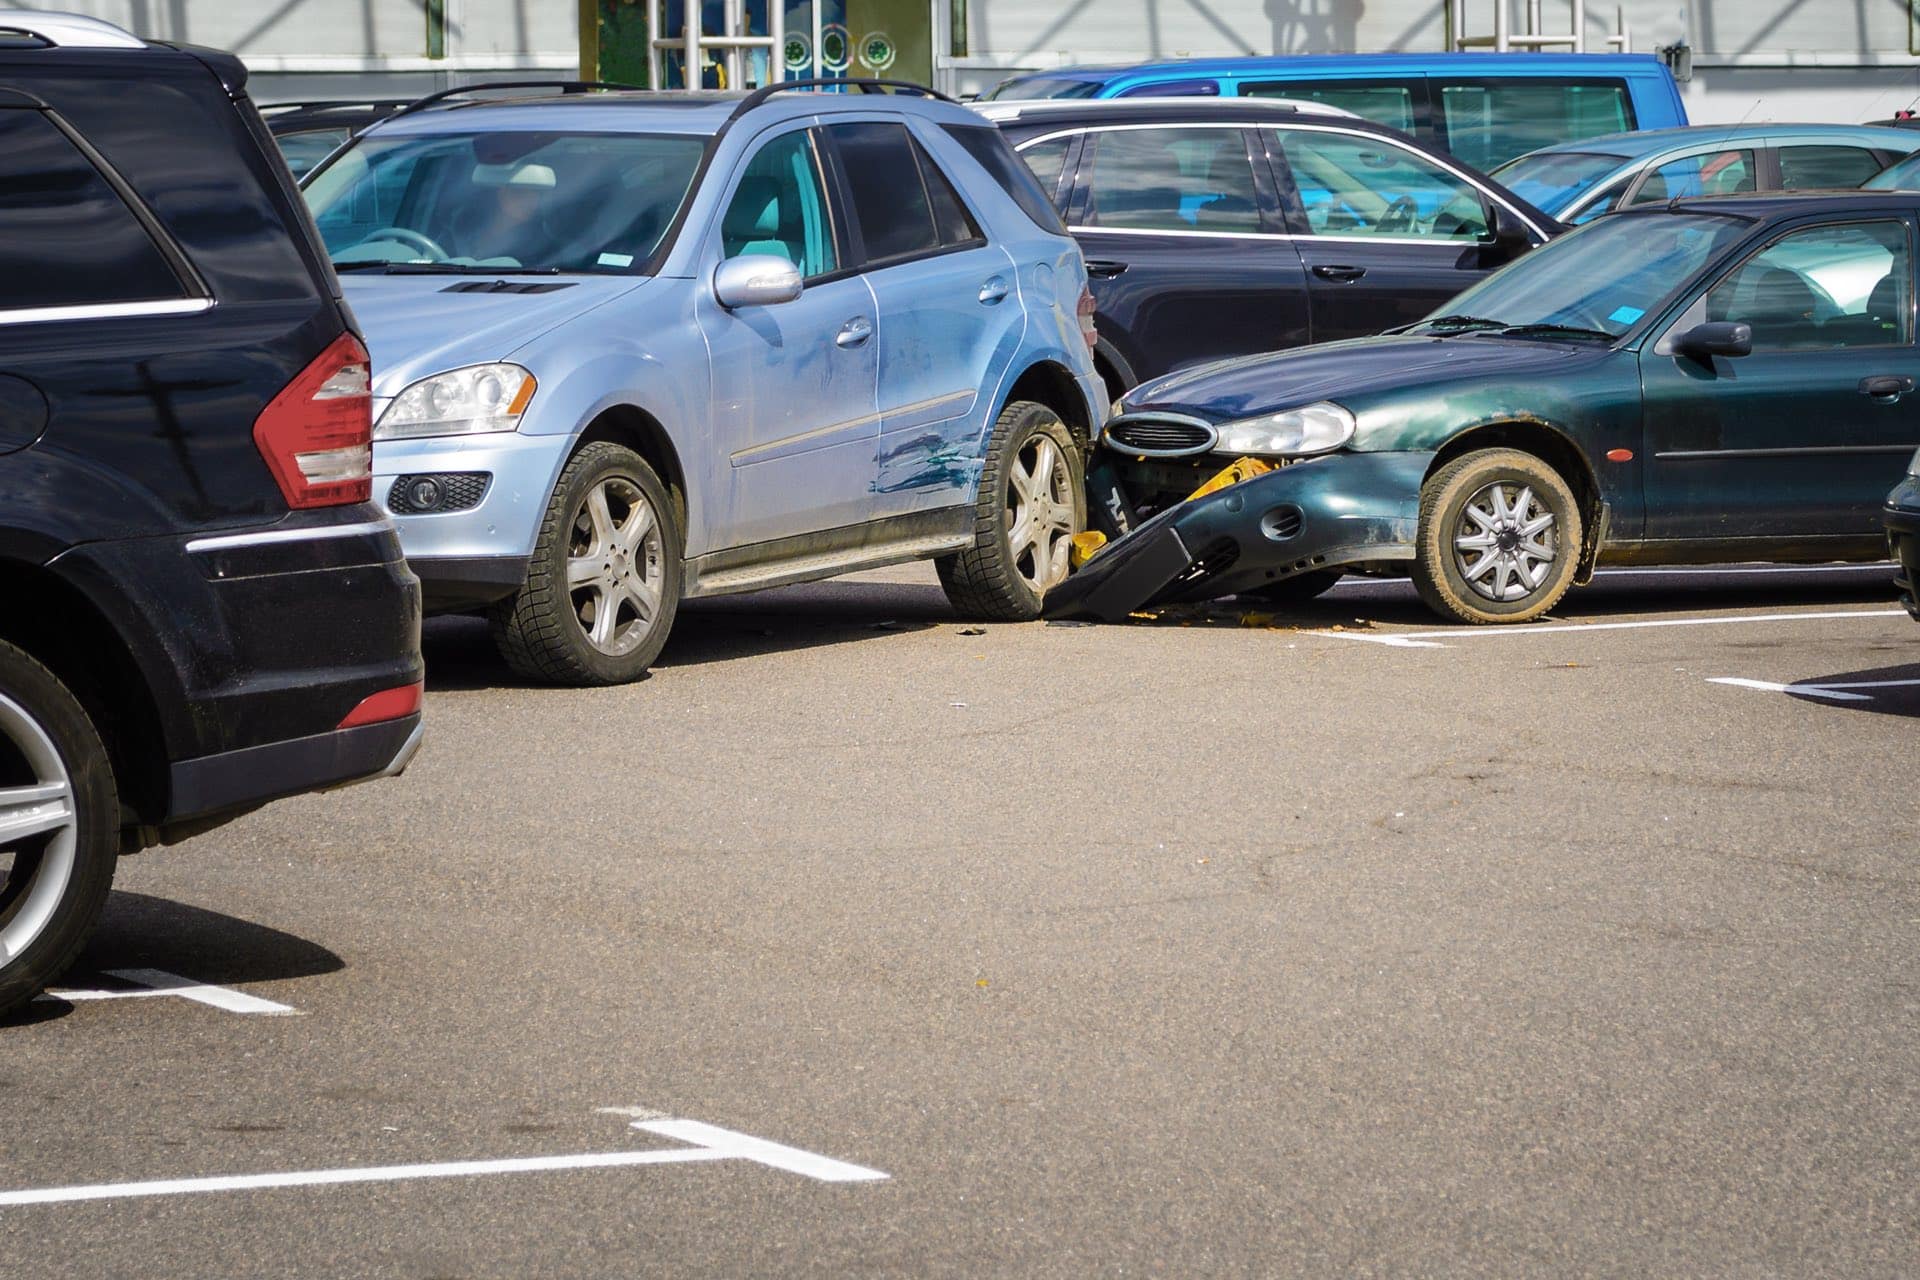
x=987 y=146
x=1812 y=167
x=1489 y=124
x=1388 y=104
x=1025 y=87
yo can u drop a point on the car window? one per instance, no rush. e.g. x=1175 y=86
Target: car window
x=1353 y=185
x=989 y=147
x=950 y=216
x=1901 y=175
x=1716 y=173
x=67 y=239
x=1553 y=180
x=1606 y=202
x=1026 y=87
x=309 y=147
x=1048 y=160
x=1489 y=124
x=1172 y=180
x=780 y=207
x=1803 y=167
x=1388 y=104
x=896 y=219
x=1822 y=288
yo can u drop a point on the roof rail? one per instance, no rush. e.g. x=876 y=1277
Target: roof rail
x=864 y=85
x=565 y=86
x=68 y=30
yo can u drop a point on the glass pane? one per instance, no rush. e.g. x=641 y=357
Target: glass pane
x=1173 y=180
x=309 y=147
x=1719 y=173
x=1048 y=160
x=1814 y=167
x=1388 y=104
x=895 y=221
x=949 y=213
x=1359 y=186
x=988 y=145
x=780 y=208
x=1606 y=202
x=1901 y=175
x=1488 y=125
x=1823 y=288
x=1553 y=180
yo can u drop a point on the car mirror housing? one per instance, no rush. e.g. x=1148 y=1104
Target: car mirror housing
x=755 y=280
x=1715 y=338
x=1507 y=236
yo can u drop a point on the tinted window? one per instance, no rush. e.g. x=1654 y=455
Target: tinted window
x=1389 y=104
x=950 y=216
x=1822 y=288
x=1048 y=160
x=66 y=237
x=780 y=207
x=1351 y=185
x=1553 y=180
x=895 y=218
x=308 y=148
x=1172 y=180
x=1719 y=173
x=1491 y=124
x=1811 y=166
x=986 y=145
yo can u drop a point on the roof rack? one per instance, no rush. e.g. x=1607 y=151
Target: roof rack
x=68 y=30
x=1014 y=108
x=864 y=85
x=565 y=86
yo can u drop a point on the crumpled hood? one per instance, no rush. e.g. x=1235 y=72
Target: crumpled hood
x=417 y=326
x=1351 y=373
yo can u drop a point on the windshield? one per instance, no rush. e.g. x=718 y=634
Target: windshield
x=1901 y=175
x=1549 y=180
x=1598 y=280
x=1025 y=87
x=541 y=202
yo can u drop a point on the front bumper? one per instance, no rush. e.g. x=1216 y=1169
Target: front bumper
x=1903 y=541
x=1341 y=510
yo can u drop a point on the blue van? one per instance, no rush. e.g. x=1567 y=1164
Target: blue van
x=1484 y=108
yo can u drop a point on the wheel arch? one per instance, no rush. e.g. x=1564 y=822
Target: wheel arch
x=1052 y=384
x=636 y=429
x=1555 y=448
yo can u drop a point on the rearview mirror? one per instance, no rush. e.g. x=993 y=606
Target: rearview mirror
x=755 y=280
x=1715 y=338
x=1507 y=237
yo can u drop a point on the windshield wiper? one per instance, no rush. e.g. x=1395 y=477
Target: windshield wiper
x=1459 y=322
x=443 y=269
x=1555 y=330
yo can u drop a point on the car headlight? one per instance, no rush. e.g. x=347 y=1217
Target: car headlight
x=470 y=401
x=1313 y=429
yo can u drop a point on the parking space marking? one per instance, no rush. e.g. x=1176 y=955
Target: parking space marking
x=706 y=1142
x=1836 y=691
x=1432 y=639
x=1685 y=571
x=148 y=983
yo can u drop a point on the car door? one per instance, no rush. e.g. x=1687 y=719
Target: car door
x=947 y=309
x=793 y=403
x=1185 y=245
x=1801 y=438
x=1387 y=233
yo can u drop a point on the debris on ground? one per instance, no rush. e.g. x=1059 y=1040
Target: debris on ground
x=973 y=631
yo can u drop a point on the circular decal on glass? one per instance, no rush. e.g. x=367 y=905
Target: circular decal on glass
x=835 y=48
x=876 y=51
x=798 y=53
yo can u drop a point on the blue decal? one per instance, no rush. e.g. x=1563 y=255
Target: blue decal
x=1626 y=315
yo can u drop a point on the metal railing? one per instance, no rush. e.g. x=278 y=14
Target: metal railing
x=731 y=46
x=1504 y=38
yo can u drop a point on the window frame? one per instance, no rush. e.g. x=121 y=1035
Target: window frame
x=1265 y=199
x=832 y=198
x=1754 y=147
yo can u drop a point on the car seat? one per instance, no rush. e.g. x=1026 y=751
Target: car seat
x=754 y=223
x=1781 y=310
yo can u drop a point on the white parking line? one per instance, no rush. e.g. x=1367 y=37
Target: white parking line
x=149 y=983
x=1688 y=571
x=1835 y=690
x=708 y=1142
x=1431 y=639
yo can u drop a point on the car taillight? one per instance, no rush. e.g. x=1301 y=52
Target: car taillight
x=1086 y=310
x=317 y=434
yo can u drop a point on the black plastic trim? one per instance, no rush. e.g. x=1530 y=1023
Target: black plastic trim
x=255 y=775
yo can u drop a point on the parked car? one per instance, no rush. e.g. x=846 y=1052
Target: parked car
x=1903 y=536
x=1484 y=110
x=1901 y=175
x=203 y=611
x=632 y=348
x=1576 y=182
x=307 y=132
x=1217 y=228
x=1714 y=380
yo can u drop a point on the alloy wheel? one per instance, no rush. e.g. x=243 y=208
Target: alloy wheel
x=1506 y=542
x=614 y=569
x=39 y=829
x=1040 y=513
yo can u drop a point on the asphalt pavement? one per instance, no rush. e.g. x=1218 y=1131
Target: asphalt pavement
x=1334 y=942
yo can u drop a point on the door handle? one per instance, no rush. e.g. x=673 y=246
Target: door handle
x=1102 y=269
x=854 y=333
x=1344 y=274
x=1886 y=386
x=993 y=291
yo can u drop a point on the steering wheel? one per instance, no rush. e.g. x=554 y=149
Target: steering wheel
x=408 y=236
x=1402 y=215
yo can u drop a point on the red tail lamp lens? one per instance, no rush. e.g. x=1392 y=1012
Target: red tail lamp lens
x=388 y=704
x=317 y=434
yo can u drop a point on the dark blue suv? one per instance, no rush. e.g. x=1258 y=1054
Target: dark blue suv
x=200 y=610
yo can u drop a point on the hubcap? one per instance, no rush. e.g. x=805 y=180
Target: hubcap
x=1506 y=542
x=614 y=568
x=1039 y=514
x=39 y=829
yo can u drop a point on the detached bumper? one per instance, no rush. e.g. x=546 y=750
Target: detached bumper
x=1903 y=541
x=1341 y=510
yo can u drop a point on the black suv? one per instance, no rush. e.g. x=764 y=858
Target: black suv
x=200 y=610
x=1218 y=227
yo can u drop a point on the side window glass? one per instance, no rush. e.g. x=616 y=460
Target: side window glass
x=1352 y=185
x=67 y=239
x=1606 y=202
x=309 y=147
x=1388 y=104
x=780 y=207
x=1048 y=160
x=1822 y=288
x=896 y=220
x=1173 y=180
x=1719 y=173
x=1490 y=124
x=990 y=150
x=950 y=216
x=1815 y=167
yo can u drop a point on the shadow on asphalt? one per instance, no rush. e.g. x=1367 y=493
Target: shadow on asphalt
x=1899 y=700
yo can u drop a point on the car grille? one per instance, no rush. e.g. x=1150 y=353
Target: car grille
x=458 y=491
x=1160 y=437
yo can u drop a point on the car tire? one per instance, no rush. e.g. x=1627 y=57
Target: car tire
x=1298 y=589
x=59 y=827
x=589 y=552
x=1499 y=538
x=1033 y=499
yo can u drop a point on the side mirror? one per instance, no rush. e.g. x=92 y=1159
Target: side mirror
x=755 y=280
x=1507 y=237
x=1715 y=338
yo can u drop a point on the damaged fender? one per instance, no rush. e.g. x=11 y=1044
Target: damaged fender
x=1323 y=513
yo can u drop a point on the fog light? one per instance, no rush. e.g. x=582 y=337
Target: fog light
x=437 y=494
x=424 y=494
